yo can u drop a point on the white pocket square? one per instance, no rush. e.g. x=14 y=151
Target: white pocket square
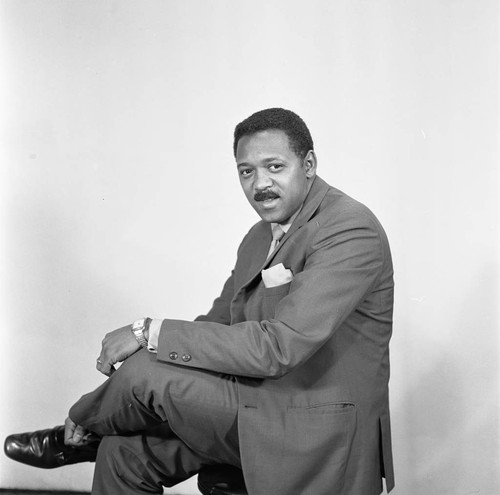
x=276 y=275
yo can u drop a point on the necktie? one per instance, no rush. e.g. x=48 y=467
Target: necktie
x=278 y=234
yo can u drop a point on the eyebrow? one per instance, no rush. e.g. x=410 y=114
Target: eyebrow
x=266 y=160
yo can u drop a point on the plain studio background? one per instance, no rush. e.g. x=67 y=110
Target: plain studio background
x=119 y=195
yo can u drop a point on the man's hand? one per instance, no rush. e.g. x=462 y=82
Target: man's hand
x=117 y=346
x=74 y=435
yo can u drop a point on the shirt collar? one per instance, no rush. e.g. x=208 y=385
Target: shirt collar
x=286 y=226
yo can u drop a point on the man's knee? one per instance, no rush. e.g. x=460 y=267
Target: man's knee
x=135 y=368
x=120 y=397
x=135 y=377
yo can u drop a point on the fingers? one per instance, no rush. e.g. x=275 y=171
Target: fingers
x=105 y=368
x=111 y=370
x=78 y=434
x=74 y=434
x=69 y=428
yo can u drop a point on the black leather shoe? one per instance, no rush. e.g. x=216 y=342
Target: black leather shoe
x=221 y=479
x=46 y=449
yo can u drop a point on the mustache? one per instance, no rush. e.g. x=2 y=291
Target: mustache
x=263 y=195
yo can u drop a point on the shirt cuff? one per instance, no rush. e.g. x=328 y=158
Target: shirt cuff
x=154 y=334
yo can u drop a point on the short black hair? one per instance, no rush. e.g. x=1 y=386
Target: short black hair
x=287 y=121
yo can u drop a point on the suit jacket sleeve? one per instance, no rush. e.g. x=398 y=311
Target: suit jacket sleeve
x=343 y=258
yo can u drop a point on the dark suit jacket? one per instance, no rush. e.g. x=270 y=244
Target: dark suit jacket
x=311 y=356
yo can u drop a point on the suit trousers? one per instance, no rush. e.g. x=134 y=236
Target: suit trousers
x=159 y=424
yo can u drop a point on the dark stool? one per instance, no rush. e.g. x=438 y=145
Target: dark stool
x=221 y=479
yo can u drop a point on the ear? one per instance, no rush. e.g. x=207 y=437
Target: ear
x=310 y=163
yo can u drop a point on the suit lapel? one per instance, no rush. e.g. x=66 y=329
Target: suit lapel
x=260 y=247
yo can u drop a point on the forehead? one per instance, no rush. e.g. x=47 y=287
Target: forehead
x=264 y=144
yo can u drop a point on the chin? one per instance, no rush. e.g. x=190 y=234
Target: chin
x=271 y=217
x=275 y=215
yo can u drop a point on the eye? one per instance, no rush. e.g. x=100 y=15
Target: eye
x=245 y=172
x=275 y=167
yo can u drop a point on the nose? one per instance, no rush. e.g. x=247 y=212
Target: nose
x=262 y=180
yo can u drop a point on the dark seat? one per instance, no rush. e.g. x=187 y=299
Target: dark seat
x=221 y=479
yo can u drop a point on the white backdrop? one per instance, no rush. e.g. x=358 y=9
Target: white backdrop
x=119 y=196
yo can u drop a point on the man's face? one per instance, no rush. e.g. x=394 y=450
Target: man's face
x=275 y=180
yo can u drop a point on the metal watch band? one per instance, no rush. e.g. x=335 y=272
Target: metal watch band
x=139 y=332
x=139 y=336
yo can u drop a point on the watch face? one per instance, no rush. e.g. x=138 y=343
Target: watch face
x=138 y=324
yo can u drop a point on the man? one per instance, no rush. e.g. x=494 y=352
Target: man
x=286 y=376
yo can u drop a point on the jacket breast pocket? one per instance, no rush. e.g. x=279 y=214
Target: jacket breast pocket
x=278 y=290
x=272 y=296
x=261 y=303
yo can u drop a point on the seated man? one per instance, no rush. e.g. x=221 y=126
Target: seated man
x=286 y=376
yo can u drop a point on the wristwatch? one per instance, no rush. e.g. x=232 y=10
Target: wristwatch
x=138 y=328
